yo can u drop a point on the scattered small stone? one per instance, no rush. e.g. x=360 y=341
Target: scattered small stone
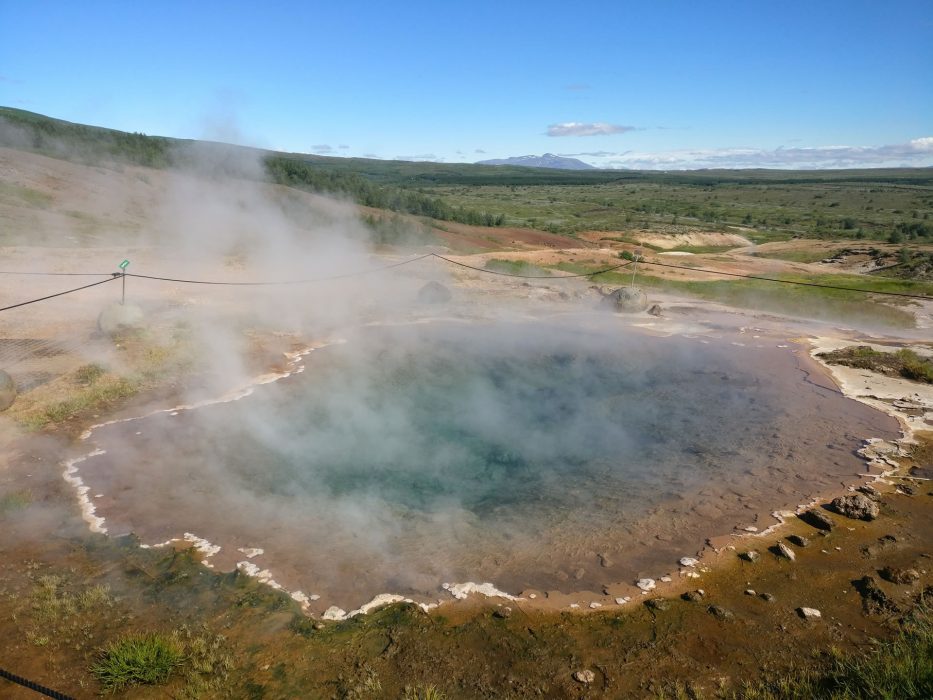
x=665 y=579
x=809 y=613
x=621 y=601
x=646 y=584
x=818 y=519
x=767 y=597
x=657 y=604
x=595 y=605
x=749 y=591
x=750 y=555
x=719 y=612
x=503 y=613
x=782 y=550
x=585 y=676
x=692 y=596
x=899 y=576
x=799 y=540
x=688 y=561
x=869 y=492
x=857 y=506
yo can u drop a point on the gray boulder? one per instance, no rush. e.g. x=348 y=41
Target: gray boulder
x=434 y=293
x=7 y=391
x=856 y=506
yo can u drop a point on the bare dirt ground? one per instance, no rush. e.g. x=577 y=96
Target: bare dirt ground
x=72 y=218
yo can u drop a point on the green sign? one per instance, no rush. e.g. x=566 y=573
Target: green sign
x=125 y=264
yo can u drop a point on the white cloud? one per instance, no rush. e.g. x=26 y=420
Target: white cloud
x=586 y=129
x=917 y=152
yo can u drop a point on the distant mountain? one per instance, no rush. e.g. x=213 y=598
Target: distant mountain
x=548 y=160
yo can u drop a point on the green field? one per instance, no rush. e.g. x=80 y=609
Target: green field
x=763 y=205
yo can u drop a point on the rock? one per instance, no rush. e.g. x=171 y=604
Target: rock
x=906 y=490
x=584 y=676
x=899 y=576
x=869 y=492
x=688 y=561
x=7 y=391
x=434 y=293
x=655 y=310
x=884 y=542
x=594 y=605
x=626 y=300
x=749 y=591
x=818 y=519
x=503 y=613
x=117 y=318
x=666 y=579
x=579 y=573
x=646 y=584
x=751 y=555
x=799 y=540
x=657 y=604
x=692 y=596
x=604 y=561
x=719 y=612
x=782 y=550
x=922 y=472
x=767 y=597
x=874 y=600
x=857 y=506
x=809 y=613
x=334 y=613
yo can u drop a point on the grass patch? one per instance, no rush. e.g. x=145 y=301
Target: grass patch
x=11 y=502
x=900 y=669
x=800 y=256
x=142 y=659
x=515 y=267
x=424 y=692
x=905 y=362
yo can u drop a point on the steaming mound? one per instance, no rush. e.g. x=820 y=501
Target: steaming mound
x=509 y=453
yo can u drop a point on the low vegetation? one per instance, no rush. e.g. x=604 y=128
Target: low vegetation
x=140 y=659
x=899 y=669
x=905 y=362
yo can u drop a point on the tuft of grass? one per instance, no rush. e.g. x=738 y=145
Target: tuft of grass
x=207 y=661
x=142 y=659
x=424 y=692
x=88 y=374
x=914 y=367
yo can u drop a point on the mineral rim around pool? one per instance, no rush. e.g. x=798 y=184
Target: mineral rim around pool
x=533 y=455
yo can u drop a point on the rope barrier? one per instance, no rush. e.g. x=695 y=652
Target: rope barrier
x=530 y=277
x=67 y=291
x=280 y=282
x=798 y=283
x=124 y=275
x=26 y=683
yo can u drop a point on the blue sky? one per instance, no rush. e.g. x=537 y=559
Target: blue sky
x=658 y=83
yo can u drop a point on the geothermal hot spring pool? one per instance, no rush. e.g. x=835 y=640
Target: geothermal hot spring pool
x=539 y=455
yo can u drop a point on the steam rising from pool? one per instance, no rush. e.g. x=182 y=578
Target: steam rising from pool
x=554 y=456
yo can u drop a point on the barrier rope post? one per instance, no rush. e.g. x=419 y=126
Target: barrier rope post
x=635 y=265
x=123 y=265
